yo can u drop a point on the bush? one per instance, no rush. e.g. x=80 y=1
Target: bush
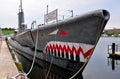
x=7 y=31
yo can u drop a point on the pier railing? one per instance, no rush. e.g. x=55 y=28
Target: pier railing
x=113 y=48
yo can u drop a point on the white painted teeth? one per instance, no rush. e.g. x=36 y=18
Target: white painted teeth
x=68 y=50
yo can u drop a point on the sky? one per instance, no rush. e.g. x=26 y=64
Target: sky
x=35 y=10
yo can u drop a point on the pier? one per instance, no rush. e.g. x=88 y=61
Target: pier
x=7 y=65
x=114 y=51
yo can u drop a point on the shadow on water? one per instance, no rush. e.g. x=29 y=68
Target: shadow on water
x=113 y=62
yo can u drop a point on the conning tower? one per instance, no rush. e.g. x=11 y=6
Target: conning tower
x=21 y=25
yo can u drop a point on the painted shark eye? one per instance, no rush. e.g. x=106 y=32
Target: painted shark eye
x=63 y=33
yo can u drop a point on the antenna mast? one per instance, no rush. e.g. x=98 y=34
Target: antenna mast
x=21 y=25
x=20 y=7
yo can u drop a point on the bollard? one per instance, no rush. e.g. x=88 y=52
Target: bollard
x=113 y=48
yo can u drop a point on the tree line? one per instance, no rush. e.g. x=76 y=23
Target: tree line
x=8 y=29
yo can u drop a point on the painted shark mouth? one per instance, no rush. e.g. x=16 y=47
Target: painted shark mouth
x=73 y=51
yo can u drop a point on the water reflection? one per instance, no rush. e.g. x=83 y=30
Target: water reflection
x=113 y=62
x=100 y=65
x=114 y=55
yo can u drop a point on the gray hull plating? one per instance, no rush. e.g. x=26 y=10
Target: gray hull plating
x=65 y=41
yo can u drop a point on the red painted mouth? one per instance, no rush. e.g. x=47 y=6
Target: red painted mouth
x=67 y=48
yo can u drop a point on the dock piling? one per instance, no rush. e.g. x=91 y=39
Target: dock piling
x=113 y=48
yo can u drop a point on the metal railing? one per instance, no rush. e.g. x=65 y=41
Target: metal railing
x=113 y=48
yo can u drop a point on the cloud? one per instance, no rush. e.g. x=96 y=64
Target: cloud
x=35 y=10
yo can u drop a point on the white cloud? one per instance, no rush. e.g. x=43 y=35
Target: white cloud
x=35 y=9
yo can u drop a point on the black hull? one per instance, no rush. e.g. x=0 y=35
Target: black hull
x=39 y=72
x=67 y=45
x=42 y=64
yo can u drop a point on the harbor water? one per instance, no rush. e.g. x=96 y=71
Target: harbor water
x=100 y=66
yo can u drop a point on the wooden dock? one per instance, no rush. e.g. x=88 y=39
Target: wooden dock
x=7 y=65
x=114 y=51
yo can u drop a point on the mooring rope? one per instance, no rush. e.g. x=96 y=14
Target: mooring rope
x=49 y=68
x=51 y=60
x=33 y=62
